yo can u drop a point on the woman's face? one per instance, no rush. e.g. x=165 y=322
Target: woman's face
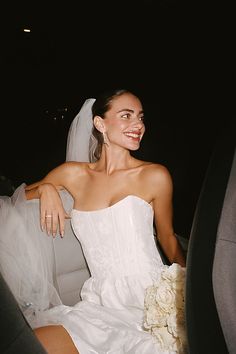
x=123 y=122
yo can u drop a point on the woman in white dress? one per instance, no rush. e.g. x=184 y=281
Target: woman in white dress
x=116 y=199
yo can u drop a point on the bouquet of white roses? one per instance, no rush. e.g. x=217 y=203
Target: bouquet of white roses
x=164 y=310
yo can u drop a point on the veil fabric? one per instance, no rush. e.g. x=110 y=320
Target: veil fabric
x=78 y=139
x=27 y=254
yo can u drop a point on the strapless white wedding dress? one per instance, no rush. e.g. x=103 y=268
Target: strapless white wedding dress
x=123 y=259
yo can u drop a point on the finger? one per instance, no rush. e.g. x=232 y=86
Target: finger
x=48 y=223
x=54 y=224
x=42 y=220
x=62 y=217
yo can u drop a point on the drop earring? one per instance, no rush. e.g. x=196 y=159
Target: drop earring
x=105 y=139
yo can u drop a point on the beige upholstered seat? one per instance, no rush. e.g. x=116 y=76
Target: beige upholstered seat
x=70 y=267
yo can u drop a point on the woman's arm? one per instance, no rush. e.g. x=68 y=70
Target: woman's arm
x=163 y=213
x=52 y=212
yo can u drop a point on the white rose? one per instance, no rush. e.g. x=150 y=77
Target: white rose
x=163 y=338
x=154 y=316
x=174 y=322
x=150 y=296
x=176 y=327
x=164 y=310
x=165 y=297
x=174 y=273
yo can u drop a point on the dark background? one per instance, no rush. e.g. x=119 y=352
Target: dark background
x=177 y=57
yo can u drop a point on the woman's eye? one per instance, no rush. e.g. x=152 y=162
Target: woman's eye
x=129 y=116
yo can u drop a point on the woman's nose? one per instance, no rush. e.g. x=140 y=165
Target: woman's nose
x=138 y=123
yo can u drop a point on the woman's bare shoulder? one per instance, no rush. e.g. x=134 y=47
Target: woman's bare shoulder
x=153 y=167
x=71 y=170
x=62 y=174
x=156 y=173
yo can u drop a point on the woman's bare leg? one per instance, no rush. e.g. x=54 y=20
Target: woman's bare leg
x=56 y=340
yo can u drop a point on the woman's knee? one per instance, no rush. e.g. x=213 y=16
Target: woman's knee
x=55 y=339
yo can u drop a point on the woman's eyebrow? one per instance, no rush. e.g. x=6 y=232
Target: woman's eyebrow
x=129 y=110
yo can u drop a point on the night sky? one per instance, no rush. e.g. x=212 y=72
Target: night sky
x=178 y=58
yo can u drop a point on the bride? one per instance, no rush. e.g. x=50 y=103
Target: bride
x=116 y=199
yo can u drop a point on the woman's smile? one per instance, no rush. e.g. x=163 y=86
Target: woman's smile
x=134 y=135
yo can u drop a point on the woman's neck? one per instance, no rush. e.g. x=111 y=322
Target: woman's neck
x=113 y=159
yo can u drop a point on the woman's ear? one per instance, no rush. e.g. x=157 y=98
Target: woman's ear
x=99 y=124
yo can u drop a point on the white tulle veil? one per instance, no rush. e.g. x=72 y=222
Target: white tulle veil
x=25 y=253
x=79 y=136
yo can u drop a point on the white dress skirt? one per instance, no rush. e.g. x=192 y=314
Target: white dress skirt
x=121 y=253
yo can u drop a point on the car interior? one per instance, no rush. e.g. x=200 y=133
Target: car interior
x=210 y=276
x=210 y=303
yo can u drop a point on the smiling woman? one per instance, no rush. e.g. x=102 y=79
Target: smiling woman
x=124 y=123
x=117 y=199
